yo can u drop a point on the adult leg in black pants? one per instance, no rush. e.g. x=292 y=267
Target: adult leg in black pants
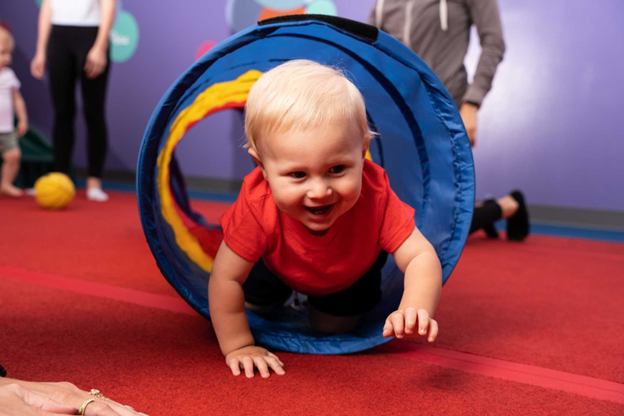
x=63 y=70
x=68 y=47
x=94 y=99
x=511 y=207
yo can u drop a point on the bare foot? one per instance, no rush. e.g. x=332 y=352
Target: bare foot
x=11 y=190
x=509 y=206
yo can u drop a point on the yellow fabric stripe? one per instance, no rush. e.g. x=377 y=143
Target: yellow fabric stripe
x=214 y=97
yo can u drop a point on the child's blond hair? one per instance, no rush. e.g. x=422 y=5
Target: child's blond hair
x=300 y=95
x=5 y=36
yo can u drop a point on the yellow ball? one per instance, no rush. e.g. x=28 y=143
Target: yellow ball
x=54 y=191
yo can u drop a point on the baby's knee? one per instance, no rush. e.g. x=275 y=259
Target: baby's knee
x=331 y=324
x=13 y=155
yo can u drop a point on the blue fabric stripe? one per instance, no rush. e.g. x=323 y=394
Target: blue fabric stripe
x=586 y=233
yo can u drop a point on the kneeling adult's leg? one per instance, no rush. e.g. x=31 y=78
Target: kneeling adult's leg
x=485 y=216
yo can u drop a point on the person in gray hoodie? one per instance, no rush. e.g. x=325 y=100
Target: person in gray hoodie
x=438 y=31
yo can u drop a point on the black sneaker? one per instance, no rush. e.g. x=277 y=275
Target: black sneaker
x=518 y=225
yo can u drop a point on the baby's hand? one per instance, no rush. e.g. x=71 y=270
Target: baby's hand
x=403 y=322
x=22 y=128
x=249 y=357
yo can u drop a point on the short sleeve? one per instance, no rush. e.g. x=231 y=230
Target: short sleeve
x=242 y=231
x=397 y=222
x=13 y=81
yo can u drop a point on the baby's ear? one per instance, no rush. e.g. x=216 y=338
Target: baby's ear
x=254 y=153
x=367 y=140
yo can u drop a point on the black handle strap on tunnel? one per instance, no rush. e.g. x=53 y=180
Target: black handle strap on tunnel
x=359 y=29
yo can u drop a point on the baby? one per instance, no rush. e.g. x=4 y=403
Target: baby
x=11 y=103
x=316 y=217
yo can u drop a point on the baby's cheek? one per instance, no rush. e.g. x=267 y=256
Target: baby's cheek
x=350 y=190
x=287 y=197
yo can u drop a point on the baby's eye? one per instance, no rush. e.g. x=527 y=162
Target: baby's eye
x=297 y=175
x=337 y=169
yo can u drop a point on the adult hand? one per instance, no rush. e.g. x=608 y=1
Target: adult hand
x=403 y=322
x=468 y=113
x=68 y=395
x=37 y=65
x=18 y=401
x=247 y=358
x=96 y=62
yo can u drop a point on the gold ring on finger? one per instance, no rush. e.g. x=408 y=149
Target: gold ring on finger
x=83 y=408
x=96 y=393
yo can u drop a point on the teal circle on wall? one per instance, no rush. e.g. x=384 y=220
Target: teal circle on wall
x=38 y=2
x=124 y=37
x=322 y=7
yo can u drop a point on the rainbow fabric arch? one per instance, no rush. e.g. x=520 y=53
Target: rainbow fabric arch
x=422 y=145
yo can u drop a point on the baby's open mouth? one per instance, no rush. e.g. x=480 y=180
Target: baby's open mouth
x=320 y=210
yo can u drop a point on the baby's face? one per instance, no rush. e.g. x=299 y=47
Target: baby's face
x=315 y=176
x=6 y=54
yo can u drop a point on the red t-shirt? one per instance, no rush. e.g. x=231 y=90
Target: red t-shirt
x=254 y=227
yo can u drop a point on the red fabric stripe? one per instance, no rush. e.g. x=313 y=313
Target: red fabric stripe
x=521 y=373
x=99 y=290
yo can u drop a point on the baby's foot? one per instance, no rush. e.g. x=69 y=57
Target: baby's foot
x=96 y=194
x=11 y=190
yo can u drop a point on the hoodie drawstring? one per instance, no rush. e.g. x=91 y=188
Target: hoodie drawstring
x=444 y=15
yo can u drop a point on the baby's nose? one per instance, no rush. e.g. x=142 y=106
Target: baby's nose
x=319 y=189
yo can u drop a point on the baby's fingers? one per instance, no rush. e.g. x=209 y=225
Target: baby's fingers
x=387 y=332
x=433 y=330
x=263 y=368
x=234 y=365
x=423 y=321
x=398 y=322
x=248 y=365
x=276 y=358
x=387 y=329
x=410 y=319
x=276 y=365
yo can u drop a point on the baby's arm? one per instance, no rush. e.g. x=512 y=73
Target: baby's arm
x=227 y=311
x=20 y=110
x=418 y=260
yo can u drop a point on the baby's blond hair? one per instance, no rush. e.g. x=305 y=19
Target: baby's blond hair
x=5 y=36
x=300 y=95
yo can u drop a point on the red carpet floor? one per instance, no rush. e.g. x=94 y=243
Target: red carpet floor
x=532 y=328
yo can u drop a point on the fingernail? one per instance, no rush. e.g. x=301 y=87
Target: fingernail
x=422 y=331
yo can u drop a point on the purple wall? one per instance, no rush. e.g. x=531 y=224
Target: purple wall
x=552 y=124
x=549 y=126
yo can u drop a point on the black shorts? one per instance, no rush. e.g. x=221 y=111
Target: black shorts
x=263 y=288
